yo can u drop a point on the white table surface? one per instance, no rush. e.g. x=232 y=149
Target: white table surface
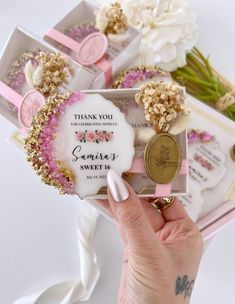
x=38 y=227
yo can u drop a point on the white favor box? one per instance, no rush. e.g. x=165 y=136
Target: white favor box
x=20 y=41
x=180 y=182
x=122 y=55
x=135 y=117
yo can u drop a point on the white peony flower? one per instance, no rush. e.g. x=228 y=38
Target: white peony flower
x=168 y=29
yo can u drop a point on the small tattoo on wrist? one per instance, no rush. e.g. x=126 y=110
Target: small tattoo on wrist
x=184 y=286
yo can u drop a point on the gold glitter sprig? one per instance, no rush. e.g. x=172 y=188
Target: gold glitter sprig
x=139 y=68
x=17 y=65
x=67 y=173
x=33 y=143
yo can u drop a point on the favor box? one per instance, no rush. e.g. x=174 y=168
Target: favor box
x=124 y=99
x=21 y=41
x=137 y=178
x=118 y=55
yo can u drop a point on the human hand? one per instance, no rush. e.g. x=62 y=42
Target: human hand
x=162 y=250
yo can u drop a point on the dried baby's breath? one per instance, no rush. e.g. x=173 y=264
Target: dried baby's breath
x=162 y=103
x=117 y=20
x=55 y=72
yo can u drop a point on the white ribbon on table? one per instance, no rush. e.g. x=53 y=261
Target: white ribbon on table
x=70 y=292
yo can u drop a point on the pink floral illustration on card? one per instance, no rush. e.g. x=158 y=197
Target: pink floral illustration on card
x=91 y=136
x=109 y=136
x=79 y=135
x=101 y=136
x=97 y=136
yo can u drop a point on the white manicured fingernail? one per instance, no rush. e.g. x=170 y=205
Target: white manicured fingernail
x=117 y=186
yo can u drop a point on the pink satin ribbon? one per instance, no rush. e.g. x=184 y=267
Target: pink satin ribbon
x=160 y=189
x=11 y=95
x=103 y=64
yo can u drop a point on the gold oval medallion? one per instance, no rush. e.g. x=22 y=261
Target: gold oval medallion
x=162 y=158
x=232 y=152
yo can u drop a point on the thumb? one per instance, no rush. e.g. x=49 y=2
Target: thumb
x=129 y=212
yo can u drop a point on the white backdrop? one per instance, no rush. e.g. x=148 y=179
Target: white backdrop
x=38 y=227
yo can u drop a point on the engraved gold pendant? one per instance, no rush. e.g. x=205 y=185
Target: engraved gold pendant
x=162 y=158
